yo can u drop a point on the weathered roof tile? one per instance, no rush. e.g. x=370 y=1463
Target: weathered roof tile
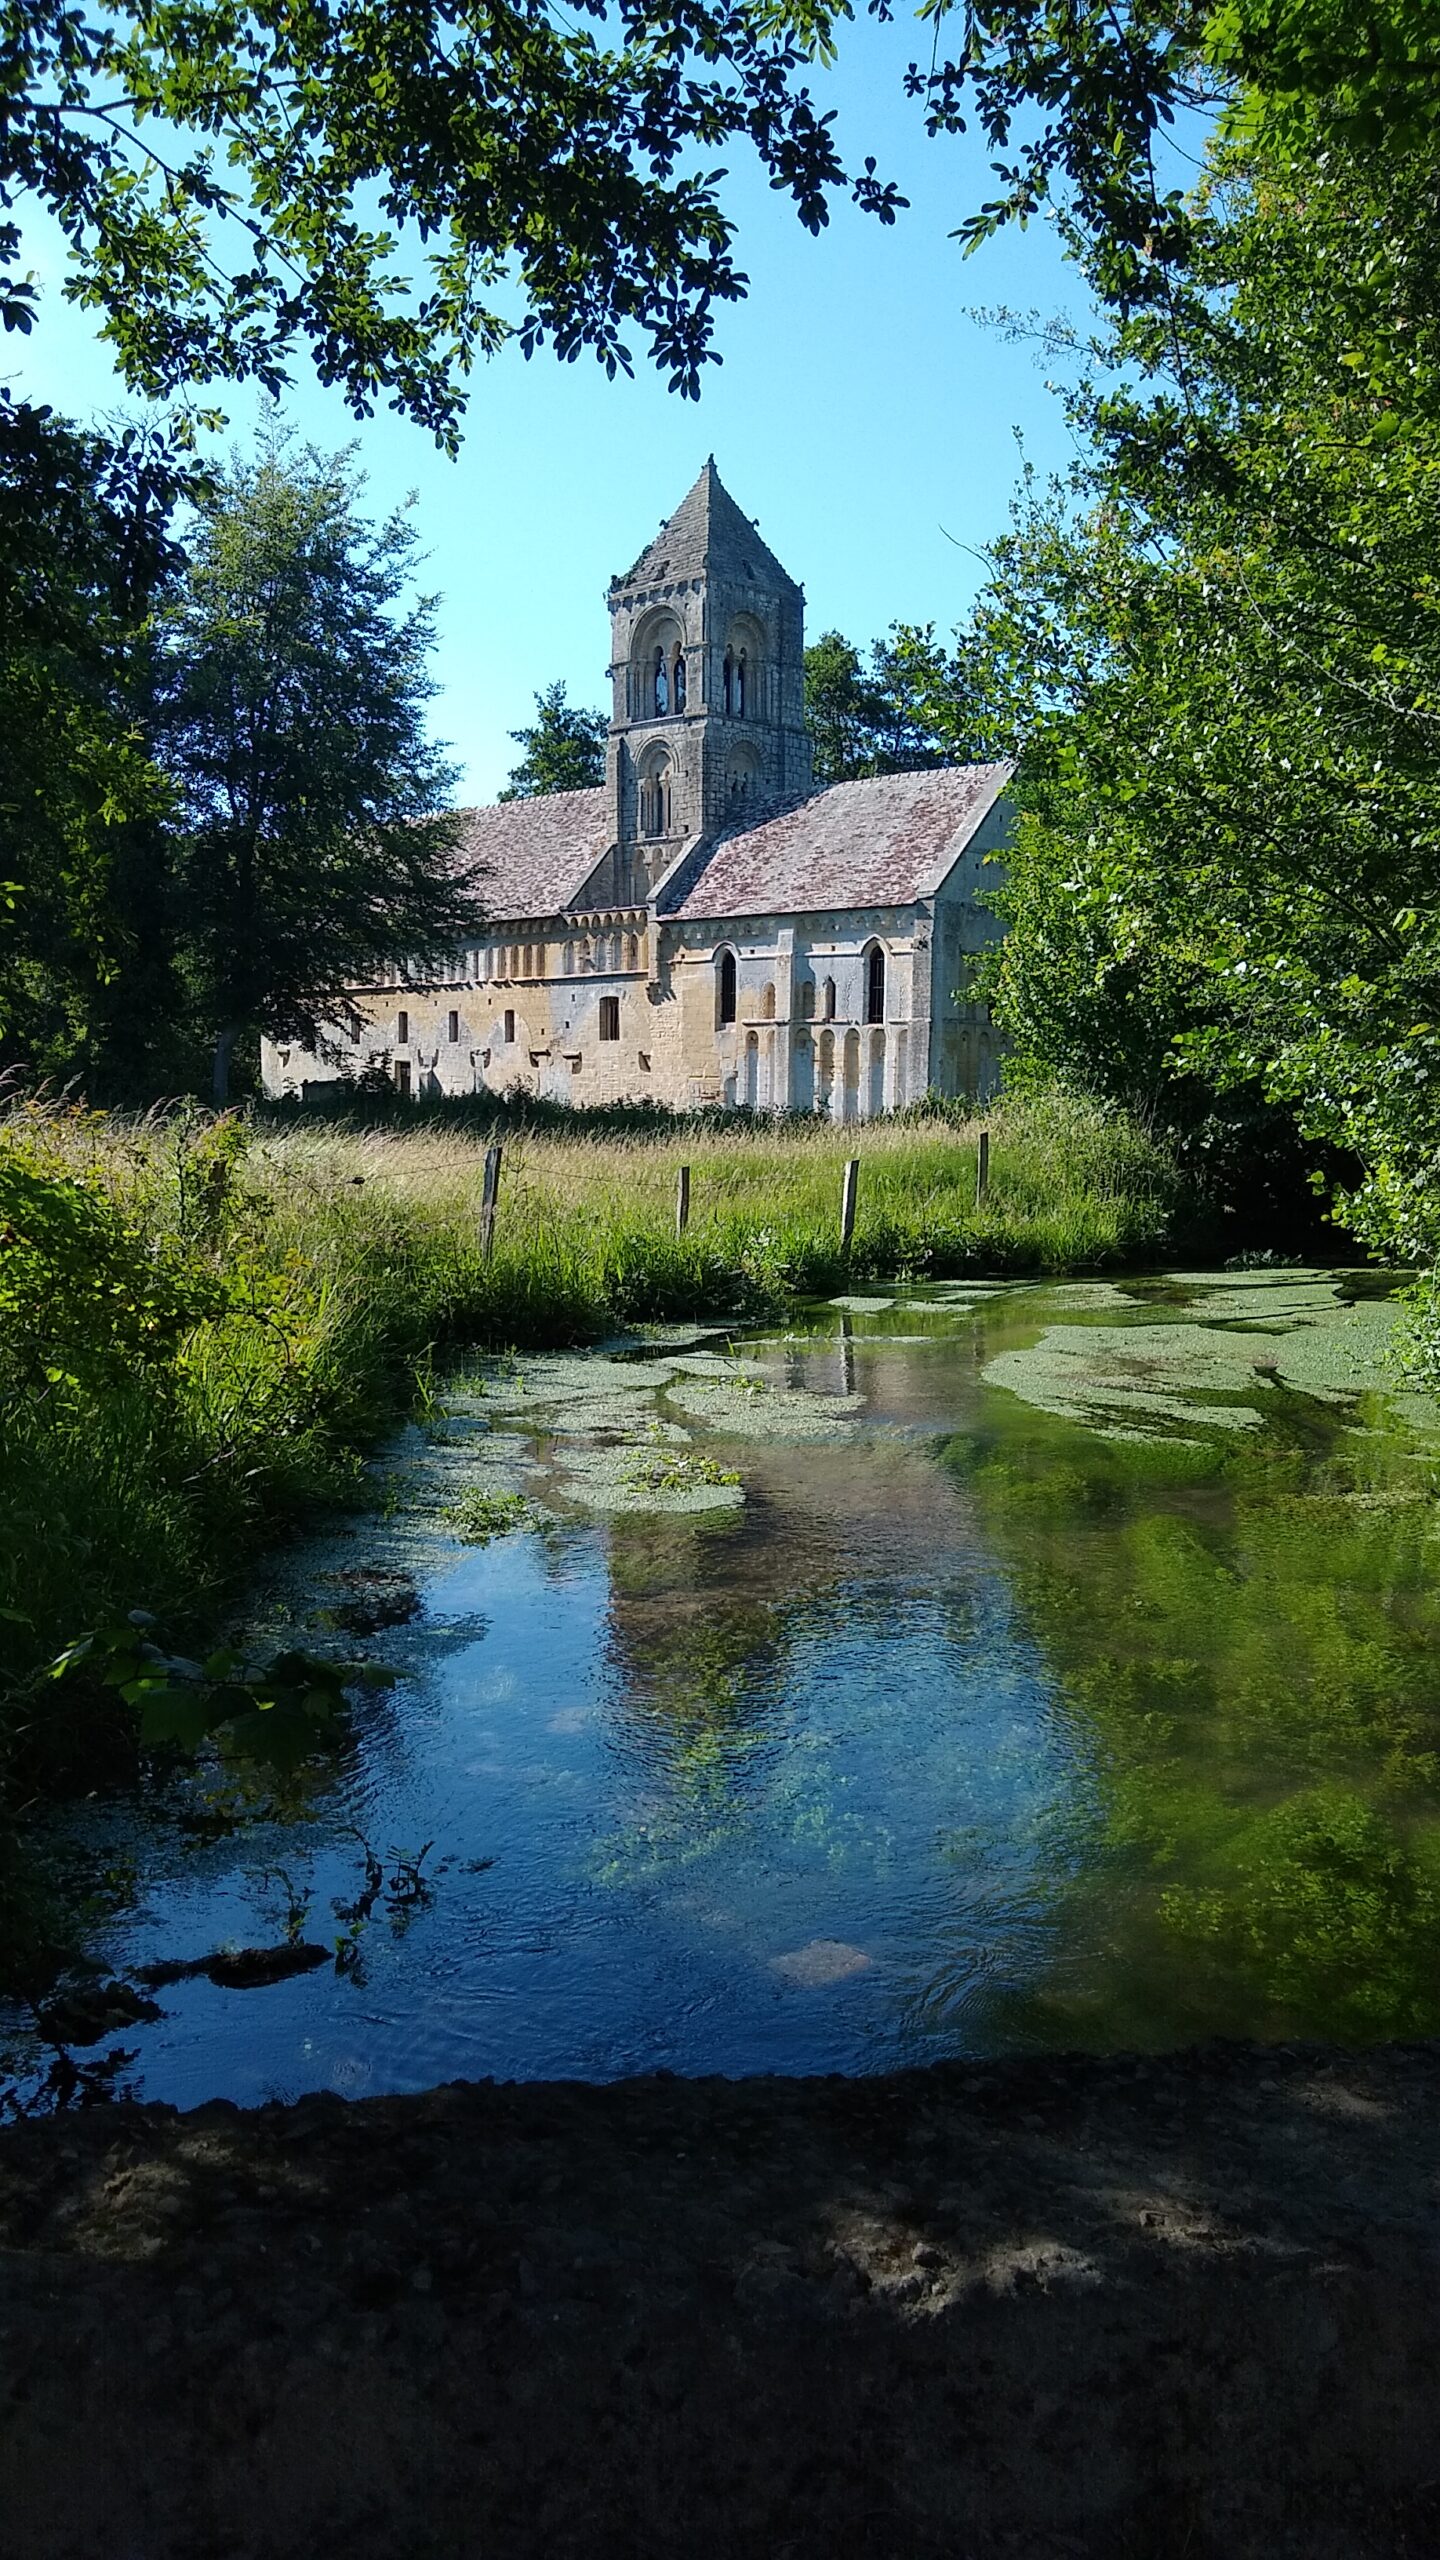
x=883 y=842
x=537 y=854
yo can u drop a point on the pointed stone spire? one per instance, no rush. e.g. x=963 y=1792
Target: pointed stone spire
x=707 y=536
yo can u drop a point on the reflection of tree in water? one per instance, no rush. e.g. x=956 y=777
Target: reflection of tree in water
x=709 y=1620
x=1251 y=1637
x=699 y=1660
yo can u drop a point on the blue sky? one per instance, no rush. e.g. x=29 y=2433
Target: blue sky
x=859 y=414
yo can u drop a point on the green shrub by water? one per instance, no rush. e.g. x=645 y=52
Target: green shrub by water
x=205 y=1325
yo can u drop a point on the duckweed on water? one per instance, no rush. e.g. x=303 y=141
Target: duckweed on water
x=1216 y=1370
x=746 y=1410
x=621 y=1479
x=479 y=1517
x=662 y=1468
x=1137 y=1379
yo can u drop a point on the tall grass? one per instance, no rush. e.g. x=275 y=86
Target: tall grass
x=217 y=1319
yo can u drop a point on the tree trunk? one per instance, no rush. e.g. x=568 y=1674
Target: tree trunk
x=220 y=1076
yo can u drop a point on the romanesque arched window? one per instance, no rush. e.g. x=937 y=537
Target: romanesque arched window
x=678 y=680
x=727 y=684
x=807 y=1001
x=655 y=807
x=725 y=990
x=767 y=1003
x=661 y=687
x=875 y=983
x=740 y=672
x=829 y=999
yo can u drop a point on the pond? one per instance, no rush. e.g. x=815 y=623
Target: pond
x=962 y=1669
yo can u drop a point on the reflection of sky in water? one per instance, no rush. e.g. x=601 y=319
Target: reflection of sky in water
x=974 y=1731
x=750 y=1806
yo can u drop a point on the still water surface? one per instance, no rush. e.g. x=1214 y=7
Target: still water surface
x=1066 y=1675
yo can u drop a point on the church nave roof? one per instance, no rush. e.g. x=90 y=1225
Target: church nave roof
x=882 y=842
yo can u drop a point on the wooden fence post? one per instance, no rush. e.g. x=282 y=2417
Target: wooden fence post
x=847 y=1203
x=982 y=1170
x=489 y=1194
x=682 y=1200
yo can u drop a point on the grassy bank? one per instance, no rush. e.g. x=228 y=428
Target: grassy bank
x=206 y=1324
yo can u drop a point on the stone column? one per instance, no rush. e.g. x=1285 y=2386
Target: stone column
x=782 y=1072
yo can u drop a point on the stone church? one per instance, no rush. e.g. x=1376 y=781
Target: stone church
x=708 y=926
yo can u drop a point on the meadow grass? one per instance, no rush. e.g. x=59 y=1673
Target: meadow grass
x=209 y=1324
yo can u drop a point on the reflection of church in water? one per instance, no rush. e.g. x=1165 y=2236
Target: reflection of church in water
x=707 y=926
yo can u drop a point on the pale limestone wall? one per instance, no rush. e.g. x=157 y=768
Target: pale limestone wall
x=965 y=1050
x=800 y=1040
x=525 y=1009
x=528 y=1014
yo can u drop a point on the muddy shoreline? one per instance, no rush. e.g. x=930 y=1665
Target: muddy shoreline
x=1133 y=2306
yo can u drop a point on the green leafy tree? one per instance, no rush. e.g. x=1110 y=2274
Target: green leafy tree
x=913 y=704
x=564 y=751
x=377 y=184
x=839 y=708
x=316 y=844
x=1233 y=626
x=1077 y=100
x=85 y=555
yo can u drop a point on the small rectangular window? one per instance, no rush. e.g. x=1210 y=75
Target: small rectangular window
x=402 y=1077
x=454 y=1026
x=509 y=1023
x=403 y=1032
x=609 y=1017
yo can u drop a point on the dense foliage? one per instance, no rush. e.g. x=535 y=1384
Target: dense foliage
x=85 y=551
x=911 y=703
x=219 y=800
x=295 y=677
x=564 y=751
x=1224 y=630
x=377 y=184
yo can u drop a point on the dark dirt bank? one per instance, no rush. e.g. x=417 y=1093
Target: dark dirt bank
x=1184 y=2306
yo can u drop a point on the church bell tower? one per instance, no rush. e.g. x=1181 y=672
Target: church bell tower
x=707 y=662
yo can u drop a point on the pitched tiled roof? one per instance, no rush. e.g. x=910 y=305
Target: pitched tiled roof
x=537 y=854
x=879 y=843
x=708 y=532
